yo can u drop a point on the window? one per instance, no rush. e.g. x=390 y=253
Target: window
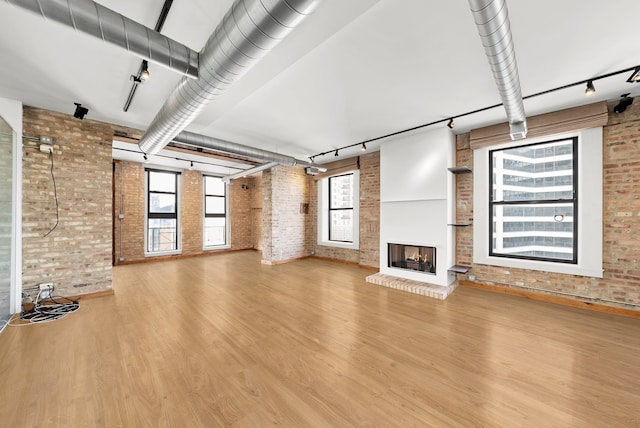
x=162 y=211
x=538 y=204
x=341 y=208
x=533 y=201
x=215 y=212
x=338 y=211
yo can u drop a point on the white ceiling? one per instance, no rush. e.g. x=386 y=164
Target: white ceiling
x=353 y=70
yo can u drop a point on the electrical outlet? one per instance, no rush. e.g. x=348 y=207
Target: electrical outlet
x=46 y=288
x=46 y=148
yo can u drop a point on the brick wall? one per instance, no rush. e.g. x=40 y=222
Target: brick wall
x=76 y=256
x=129 y=190
x=256 y=212
x=240 y=213
x=369 y=252
x=191 y=211
x=621 y=223
x=129 y=201
x=370 y=210
x=286 y=229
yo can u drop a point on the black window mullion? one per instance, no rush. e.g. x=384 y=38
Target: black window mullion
x=573 y=201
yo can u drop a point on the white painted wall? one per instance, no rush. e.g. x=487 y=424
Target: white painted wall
x=417 y=200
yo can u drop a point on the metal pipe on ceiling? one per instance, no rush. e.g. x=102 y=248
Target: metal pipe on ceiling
x=242 y=174
x=203 y=141
x=96 y=20
x=249 y=30
x=492 y=19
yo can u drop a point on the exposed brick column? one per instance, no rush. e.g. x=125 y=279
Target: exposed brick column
x=285 y=227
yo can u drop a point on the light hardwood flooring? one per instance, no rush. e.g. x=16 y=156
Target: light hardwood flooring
x=222 y=340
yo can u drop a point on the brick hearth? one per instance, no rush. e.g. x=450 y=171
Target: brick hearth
x=422 y=288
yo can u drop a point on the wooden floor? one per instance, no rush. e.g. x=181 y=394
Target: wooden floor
x=225 y=341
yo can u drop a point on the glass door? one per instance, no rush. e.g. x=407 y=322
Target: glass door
x=7 y=137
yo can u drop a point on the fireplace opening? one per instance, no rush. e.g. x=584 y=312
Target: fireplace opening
x=412 y=257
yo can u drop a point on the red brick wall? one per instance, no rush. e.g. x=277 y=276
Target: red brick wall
x=240 y=213
x=76 y=256
x=370 y=210
x=369 y=252
x=129 y=192
x=191 y=211
x=621 y=223
x=130 y=188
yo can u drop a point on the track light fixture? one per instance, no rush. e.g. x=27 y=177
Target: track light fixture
x=144 y=74
x=590 y=88
x=80 y=111
x=312 y=159
x=364 y=147
x=191 y=166
x=146 y=159
x=635 y=76
x=622 y=106
x=625 y=102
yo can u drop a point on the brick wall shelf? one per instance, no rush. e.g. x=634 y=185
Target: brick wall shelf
x=459 y=269
x=460 y=169
x=459 y=224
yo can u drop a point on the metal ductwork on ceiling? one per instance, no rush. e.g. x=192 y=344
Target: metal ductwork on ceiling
x=203 y=141
x=492 y=19
x=96 y=20
x=249 y=30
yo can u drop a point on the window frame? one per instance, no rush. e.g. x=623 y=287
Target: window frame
x=225 y=215
x=150 y=215
x=590 y=195
x=573 y=201
x=323 y=212
x=332 y=209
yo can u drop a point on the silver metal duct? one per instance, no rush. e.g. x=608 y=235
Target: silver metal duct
x=492 y=20
x=228 y=178
x=203 y=141
x=249 y=30
x=94 y=19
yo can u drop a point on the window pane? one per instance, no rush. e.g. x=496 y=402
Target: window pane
x=341 y=225
x=538 y=230
x=162 y=235
x=162 y=203
x=162 y=181
x=214 y=186
x=214 y=231
x=341 y=191
x=535 y=172
x=214 y=204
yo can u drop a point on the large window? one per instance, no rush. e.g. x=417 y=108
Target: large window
x=532 y=201
x=538 y=204
x=338 y=211
x=162 y=211
x=215 y=212
x=341 y=208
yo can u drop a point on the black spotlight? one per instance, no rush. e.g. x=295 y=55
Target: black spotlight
x=625 y=102
x=80 y=111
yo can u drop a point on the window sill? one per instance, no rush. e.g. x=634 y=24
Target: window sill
x=163 y=253
x=563 y=268
x=347 y=245
x=216 y=247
